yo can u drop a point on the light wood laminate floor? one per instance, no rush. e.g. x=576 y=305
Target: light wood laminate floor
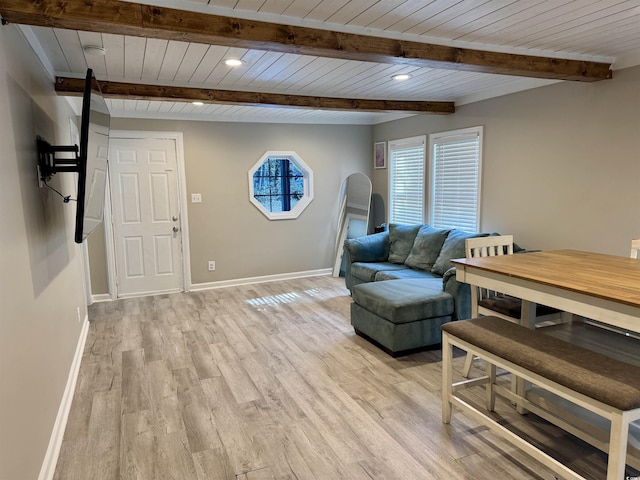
x=268 y=381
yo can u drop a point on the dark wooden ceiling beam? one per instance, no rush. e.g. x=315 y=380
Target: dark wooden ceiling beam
x=114 y=16
x=134 y=91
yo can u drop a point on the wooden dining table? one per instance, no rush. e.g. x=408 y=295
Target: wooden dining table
x=597 y=286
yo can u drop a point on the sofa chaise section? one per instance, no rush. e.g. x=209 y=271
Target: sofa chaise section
x=404 y=286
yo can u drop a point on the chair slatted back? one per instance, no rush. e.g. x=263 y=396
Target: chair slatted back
x=489 y=246
x=486 y=247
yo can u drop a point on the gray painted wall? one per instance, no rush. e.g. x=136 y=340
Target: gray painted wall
x=226 y=227
x=561 y=163
x=41 y=277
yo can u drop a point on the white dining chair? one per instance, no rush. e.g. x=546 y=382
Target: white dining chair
x=487 y=302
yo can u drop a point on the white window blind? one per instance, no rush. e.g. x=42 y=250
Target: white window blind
x=456 y=169
x=406 y=180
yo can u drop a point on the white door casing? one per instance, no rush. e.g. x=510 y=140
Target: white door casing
x=148 y=221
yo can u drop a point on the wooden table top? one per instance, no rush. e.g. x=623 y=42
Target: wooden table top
x=606 y=276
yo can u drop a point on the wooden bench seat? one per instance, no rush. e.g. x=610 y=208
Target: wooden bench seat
x=603 y=385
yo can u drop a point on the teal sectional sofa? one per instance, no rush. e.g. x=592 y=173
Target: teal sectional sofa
x=404 y=286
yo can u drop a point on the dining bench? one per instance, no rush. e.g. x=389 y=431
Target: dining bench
x=605 y=386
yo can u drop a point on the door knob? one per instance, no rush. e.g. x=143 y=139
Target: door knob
x=174 y=218
x=175 y=229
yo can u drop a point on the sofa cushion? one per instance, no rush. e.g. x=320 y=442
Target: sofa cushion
x=367 y=270
x=402 y=301
x=426 y=248
x=401 y=238
x=453 y=247
x=397 y=339
x=408 y=273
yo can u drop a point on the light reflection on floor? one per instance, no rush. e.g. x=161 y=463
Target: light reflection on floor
x=283 y=298
x=274 y=299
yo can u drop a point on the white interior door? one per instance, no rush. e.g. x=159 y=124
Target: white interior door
x=146 y=216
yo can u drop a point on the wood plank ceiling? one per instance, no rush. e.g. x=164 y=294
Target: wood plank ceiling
x=602 y=31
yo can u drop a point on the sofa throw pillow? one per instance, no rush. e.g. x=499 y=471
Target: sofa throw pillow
x=453 y=247
x=426 y=248
x=401 y=239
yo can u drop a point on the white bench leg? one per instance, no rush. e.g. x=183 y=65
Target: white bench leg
x=474 y=314
x=467 y=365
x=566 y=317
x=618 y=446
x=528 y=314
x=447 y=378
x=490 y=398
x=521 y=391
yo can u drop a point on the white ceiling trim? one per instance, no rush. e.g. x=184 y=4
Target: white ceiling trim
x=30 y=37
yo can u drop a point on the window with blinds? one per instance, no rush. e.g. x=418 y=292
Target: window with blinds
x=456 y=162
x=406 y=180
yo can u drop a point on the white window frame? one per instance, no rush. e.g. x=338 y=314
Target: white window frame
x=395 y=145
x=451 y=137
x=308 y=186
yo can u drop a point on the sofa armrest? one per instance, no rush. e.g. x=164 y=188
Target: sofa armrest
x=370 y=248
x=461 y=293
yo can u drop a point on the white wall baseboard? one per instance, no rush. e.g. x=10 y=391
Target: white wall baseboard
x=196 y=287
x=101 y=297
x=55 y=441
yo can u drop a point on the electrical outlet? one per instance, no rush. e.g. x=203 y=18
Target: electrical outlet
x=212 y=265
x=196 y=198
x=78 y=312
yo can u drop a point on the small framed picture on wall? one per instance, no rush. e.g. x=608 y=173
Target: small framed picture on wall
x=380 y=155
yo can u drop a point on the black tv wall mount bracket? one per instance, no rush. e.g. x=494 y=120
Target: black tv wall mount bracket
x=49 y=163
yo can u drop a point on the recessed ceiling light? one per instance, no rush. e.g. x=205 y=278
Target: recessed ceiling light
x=232 y=62
x=401 y=77
x=197 y=103
x=94 y=50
